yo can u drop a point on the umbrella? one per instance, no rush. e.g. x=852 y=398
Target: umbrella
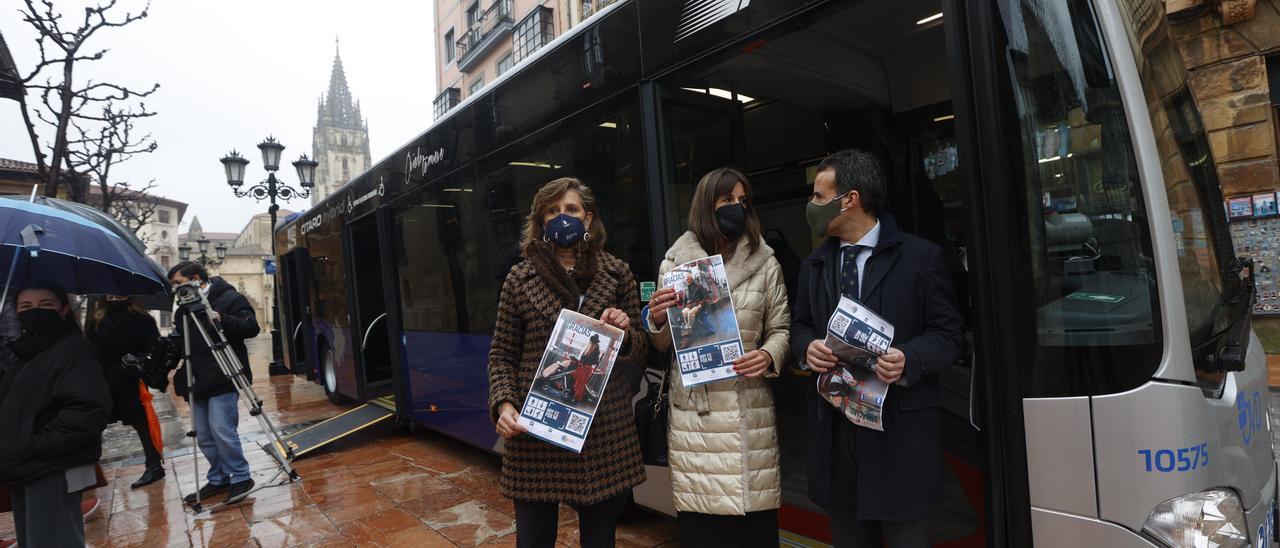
x=74 y=245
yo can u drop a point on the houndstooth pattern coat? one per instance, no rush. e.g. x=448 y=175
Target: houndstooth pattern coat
x=610 y=463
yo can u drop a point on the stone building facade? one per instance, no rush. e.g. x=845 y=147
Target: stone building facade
x=340 y=138
x=244 y=266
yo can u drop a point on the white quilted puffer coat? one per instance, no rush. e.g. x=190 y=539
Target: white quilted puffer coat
x=723 y=437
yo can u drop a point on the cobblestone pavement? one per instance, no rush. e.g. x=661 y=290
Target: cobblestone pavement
x=379 y=487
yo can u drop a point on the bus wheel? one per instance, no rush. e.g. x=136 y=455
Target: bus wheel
x=329 y=378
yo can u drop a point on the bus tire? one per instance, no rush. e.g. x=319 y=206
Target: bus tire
x=329 y=378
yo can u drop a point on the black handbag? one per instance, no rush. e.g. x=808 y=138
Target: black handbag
x=651 y=422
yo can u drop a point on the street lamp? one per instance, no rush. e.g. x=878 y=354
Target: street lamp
x=202 y=244
x=271 y=189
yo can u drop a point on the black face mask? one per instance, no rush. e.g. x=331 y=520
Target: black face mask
x=732 y=220
x=117 y=306
x=38 y=321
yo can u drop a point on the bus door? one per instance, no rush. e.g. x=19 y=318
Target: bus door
x=369 y=312
x=298 y=332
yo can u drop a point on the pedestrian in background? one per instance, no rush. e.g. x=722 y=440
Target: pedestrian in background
x=214 y=400
x=54 y=405
x=723 y=440
x=120 y=327
x=565 y=267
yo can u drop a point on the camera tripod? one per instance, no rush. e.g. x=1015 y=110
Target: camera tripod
x=200 y=314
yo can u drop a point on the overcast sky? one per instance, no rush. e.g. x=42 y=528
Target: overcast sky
x=234 y=71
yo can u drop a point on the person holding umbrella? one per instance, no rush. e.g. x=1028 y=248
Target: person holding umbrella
x=120 y=327
x=54 y=404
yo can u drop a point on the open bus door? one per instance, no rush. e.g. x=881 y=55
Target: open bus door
x=371 y=318
x=298 y=333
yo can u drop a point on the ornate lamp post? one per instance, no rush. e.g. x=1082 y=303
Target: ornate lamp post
x=220 y=253
x=271 y=189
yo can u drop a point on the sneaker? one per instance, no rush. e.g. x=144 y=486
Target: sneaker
x=89 y=507
x=149 y=477
x=239 y=490
x=207 y=491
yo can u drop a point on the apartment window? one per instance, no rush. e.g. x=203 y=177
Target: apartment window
x=473 y=15
x=533 y=32
x=450 y=46
x=506 y=62
x=475 y=85
x=164 y=261
x=447 y=99
x=164 y=215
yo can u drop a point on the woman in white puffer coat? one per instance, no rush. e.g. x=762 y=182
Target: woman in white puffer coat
x=723 y=439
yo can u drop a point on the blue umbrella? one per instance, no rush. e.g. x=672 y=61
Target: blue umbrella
x=75 y=246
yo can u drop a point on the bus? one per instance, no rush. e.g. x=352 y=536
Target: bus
x=1113 y=392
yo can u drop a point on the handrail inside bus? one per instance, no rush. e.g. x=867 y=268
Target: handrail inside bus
x=365 y=341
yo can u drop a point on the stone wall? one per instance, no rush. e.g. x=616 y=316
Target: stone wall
x=1227 y=65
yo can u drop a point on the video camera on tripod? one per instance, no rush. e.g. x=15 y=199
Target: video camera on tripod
x=195 y=310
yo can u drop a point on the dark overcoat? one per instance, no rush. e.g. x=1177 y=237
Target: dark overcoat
x=119 y=333
x=610 y=463
x=899 y=470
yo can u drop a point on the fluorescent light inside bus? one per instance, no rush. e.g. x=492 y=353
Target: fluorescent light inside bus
x=724 y=94
x=929 y=19
x=945 y=118
x=609 y=125
x=535 y=164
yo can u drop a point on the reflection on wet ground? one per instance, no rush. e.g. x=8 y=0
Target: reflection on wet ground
x=379 y=487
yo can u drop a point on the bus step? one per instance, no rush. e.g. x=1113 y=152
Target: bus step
x=319 y=435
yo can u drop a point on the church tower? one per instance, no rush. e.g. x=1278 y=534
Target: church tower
x=340 y=140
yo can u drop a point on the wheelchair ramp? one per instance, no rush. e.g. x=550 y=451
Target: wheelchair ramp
x=318 y=435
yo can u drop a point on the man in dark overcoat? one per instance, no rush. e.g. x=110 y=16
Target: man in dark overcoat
x=875 y=485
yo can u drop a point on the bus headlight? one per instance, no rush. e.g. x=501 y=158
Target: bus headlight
x=1209 y=519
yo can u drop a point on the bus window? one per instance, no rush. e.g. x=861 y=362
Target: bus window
x=1204 y=247
x=1095 y=301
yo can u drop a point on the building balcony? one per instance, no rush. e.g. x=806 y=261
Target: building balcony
x=489 y=29
x=448 y=99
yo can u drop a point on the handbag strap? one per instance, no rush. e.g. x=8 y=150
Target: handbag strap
x=659 y=401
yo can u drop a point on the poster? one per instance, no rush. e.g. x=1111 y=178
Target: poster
x=1264 y=205
x=1240 y=208
x=704 y=325
x=1259 y=240
x=858 y=337
x=570 y=379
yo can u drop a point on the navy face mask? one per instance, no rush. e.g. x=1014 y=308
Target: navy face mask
x=564 y=230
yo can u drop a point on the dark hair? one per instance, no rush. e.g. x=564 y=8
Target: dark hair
x=51 y=287
x=717 y=184
x=861 y=171
x=550 y=195
x=189 y=270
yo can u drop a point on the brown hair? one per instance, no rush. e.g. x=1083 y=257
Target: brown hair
x=702 y=212
x=100 y=311
x=549 y=195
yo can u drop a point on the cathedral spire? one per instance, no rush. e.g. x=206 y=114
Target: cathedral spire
x=338 y=107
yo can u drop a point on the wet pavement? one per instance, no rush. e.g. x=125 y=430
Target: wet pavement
x=379 y=487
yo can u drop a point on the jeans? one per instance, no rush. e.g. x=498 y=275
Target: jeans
x=45 y=514
x=216 y=419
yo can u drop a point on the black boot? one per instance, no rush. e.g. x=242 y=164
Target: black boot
x=149 y=477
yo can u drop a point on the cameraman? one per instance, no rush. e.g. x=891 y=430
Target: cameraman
x=213 y=398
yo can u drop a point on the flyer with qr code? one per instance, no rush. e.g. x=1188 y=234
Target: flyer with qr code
x=704 y=325
x=857 y=336
x=570 y=380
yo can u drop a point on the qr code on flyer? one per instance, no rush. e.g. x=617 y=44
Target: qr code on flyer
x=840 y=323
x=577 y=423
x=730 y=352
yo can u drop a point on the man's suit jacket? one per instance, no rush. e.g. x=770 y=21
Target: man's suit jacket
x=899 y=470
